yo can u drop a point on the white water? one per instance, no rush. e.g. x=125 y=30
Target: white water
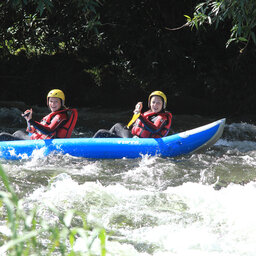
x=191 y=219
x=200 y=205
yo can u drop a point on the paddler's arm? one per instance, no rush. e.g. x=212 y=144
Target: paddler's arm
x=153 y=127
x=28 y=116
x=56 y=123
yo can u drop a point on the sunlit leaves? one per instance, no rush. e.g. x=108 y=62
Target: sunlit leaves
x=241 y=14
x=47 y=26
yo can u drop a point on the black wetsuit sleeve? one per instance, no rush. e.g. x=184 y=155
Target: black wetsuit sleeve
x=55 y=124
x=40 y=127
x=150 y=126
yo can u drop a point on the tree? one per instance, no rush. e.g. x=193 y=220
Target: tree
x=46 y=26
x=240 y=13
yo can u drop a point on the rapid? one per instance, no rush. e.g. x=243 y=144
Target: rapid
x=195 y=205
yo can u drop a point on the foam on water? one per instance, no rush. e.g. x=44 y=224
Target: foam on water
x=240 y=131
x=155 y=206
x=242 y=146
x=191 y=219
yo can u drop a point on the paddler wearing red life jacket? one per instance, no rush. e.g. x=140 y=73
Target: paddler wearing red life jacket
x=57 y=124
x=52 y=125
x=155 y=123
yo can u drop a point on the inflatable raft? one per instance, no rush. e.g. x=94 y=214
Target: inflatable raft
x=112 y=148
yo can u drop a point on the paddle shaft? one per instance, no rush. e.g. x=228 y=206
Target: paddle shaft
x=134 y=118
x=136 y=115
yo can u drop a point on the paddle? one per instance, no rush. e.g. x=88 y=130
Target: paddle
x=136 y=115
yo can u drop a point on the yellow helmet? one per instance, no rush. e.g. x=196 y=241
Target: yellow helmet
x=160 y=94
x=56 y=93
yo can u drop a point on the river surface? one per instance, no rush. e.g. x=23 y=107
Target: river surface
x=197 y=205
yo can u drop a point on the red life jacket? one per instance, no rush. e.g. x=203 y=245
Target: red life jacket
x=162 y=124
x=64 y=131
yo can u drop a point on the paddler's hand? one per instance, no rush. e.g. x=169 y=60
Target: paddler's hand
x=138 y=108
x=28 y=114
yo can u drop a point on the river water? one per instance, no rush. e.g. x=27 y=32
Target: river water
x=196 y=205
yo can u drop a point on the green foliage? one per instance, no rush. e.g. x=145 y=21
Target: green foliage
x=45 y=26
x=41 y=5
x=241 y=14
x=31 y=235
x=116 y=52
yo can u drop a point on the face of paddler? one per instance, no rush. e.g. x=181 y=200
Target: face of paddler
x=54 y=103
x=156 y=104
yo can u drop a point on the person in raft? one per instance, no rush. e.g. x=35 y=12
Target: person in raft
x=58 y=124
x=155 y=123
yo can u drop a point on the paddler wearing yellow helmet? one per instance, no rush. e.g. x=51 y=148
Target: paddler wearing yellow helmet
x=158 y=94
x=56 y=93
x=51 y=126
x=154 y=123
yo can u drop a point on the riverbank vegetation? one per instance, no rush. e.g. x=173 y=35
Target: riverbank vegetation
x=112 y=53
x=25 y=232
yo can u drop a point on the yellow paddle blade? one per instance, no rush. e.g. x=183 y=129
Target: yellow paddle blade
x=134 y=118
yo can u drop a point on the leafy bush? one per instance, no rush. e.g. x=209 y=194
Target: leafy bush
x=28 y=234
x=241 y=14
x=46 y=27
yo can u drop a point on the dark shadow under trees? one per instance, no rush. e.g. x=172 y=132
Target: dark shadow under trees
x=131 y=55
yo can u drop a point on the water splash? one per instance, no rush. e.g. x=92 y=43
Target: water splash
x=198 y=205
x=191 y=219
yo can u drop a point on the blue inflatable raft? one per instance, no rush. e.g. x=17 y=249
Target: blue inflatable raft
x=101 y=148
